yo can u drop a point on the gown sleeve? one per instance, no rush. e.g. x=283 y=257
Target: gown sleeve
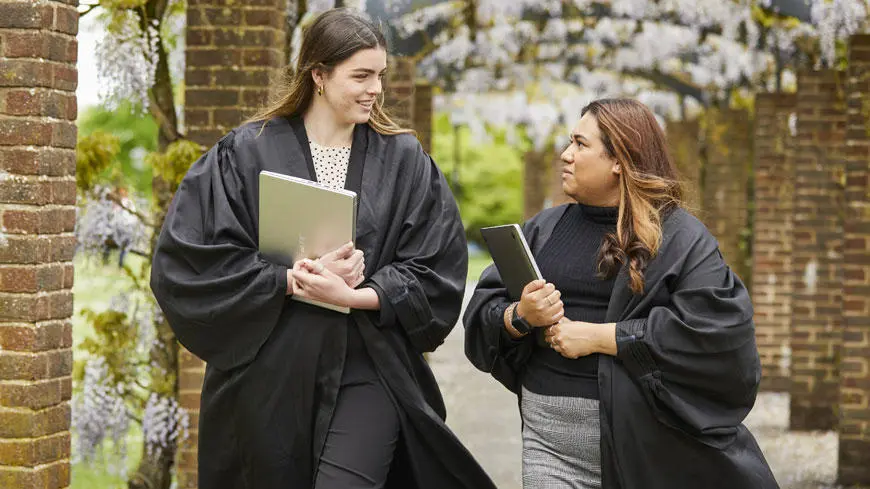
x=220 y=296
x=421 y=290
x=488 y=345
x=695 y=358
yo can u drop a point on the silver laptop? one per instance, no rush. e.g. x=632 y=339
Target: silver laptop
x=303 y=219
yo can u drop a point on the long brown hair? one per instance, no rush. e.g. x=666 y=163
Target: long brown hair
x=648 y=188
x=332 y=38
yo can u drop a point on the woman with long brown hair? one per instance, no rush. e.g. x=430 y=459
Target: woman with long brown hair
x=635 y=361
x=296 y=395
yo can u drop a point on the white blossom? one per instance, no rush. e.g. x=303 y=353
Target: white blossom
x=164 y=423
x=103 y=223
x=127 y=60
x=318 y=6
x=836 y=19
x=99 y=414
x=418 y=20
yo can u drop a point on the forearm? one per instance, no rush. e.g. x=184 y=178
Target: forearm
x=365 y=299
x=605 y=338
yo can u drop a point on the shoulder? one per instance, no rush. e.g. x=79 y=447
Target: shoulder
x=681 y=229
x=257 y=133
x=403 y=152
x=405 y=144
x=547 y=216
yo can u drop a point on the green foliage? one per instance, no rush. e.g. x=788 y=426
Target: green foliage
x=172 y=165
x=95 y=153
x=490 y=177
x=135 y=131
x=122 y=4
x=115 y=337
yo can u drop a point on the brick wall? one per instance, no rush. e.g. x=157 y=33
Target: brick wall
x=772 y=248
x=399 y=86
x=536 y=179
x=817 y=249
x=423 y=116
x=555 y=195
x=684 y=147
x=854 y=427
x=725 y=183
x=37 y=196
x=234 y=51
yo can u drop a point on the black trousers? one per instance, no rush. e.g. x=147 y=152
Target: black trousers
x=364 y=431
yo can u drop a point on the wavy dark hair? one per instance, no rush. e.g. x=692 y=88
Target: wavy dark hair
x=332 y=38
x=649 y=185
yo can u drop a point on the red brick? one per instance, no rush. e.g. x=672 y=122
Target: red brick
x=22 y=190
x=27 y=423
x=18 y=279
x=210 y=16
x=35 y=395
x=23 y=15
x=260 y=57
x=54 y=104
x=66 y=20
x=18 y=132
x=35 y=366
x=55 y=475
x=27 y=307
x=264 y=17
x=39 y=220
x=211 y=98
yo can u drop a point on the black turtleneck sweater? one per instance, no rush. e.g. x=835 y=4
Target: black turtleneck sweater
x=569 y=260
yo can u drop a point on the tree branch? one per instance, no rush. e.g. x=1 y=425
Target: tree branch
x=115 y=198
x=90 y=8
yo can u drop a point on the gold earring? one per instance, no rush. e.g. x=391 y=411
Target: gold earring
x=320 y=90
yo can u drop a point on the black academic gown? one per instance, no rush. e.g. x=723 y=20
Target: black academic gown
x=686 y=374
x=274 y=364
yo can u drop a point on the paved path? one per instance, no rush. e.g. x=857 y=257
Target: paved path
x=485 y=417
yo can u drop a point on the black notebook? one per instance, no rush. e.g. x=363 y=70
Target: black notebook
x=512 y=257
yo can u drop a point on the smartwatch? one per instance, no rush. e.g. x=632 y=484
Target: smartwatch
x=519 y=323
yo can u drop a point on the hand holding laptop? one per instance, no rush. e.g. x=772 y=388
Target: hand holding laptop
x=313 y=281
x=346 y=262
x=541 y=304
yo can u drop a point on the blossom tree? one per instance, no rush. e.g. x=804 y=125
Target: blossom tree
x=699 y=50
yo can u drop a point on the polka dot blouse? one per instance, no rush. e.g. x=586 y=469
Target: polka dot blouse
x=330 y=164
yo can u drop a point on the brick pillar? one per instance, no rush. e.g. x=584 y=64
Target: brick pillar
x=234 y=51
x=423 y=114
x=685 y=149
x=536 y=172
x=725 y=183
x=37 y=214
x=399 y=90
x=555 y=195
x=854 y=427
x=772 y=235
x=817 y=250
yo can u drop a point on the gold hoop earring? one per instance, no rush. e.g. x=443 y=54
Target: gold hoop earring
x=320 y=90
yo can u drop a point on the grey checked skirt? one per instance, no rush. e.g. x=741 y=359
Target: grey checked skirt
x=561 y=437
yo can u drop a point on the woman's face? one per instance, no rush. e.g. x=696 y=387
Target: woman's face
x=589 y=175
x=352 y=87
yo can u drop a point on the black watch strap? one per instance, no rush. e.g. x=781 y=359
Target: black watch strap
x=519 y=323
